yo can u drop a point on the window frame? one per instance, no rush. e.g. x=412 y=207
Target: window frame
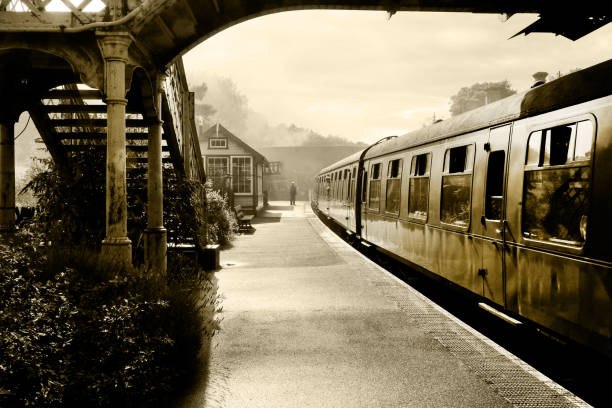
x=397 y=178
x=251 y=174
x=227 y=166
x=590 y=163
x=469 y=171
x=426 y=175
x=370 y=180
x=210 y=143
x=488 y=198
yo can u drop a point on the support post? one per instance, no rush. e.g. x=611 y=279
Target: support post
x=116 y=246
x=7 y=176
x=155 y=234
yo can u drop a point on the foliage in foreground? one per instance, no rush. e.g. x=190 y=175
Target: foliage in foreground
x=77 y=332
x=82 y=335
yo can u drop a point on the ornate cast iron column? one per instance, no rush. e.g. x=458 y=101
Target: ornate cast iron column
x=116 y=246
x=155 y=234
x=7 y=175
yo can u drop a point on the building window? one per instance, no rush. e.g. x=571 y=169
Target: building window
x=394 y=179
x=457 y=186
x=217 y=143
x=418 y=191
x=374 y=199
x=242 y=175
x=273 y=168
x=217 y=170
x=557 y=184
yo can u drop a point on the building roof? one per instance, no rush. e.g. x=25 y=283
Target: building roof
x=218 y=130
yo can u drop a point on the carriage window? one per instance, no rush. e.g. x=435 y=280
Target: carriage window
x=418 y=194
x=364 y=178
x=394 y=173
x=375 y=171
x=559 y=140
x=584 y=139
x=556 y=199
x=374 y=198
x=534 y=149
x=495 y=185
x=349 y=187
x=352 y=190
x=458 y=159
x=457 y=186
x=420 y=165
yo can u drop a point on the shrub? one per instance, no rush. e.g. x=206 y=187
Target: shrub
x=83 y=334
x=220 y=219
x=71 y=201
x=77 y=332
x=72 y=207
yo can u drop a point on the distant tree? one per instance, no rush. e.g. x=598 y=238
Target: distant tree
x=479 y=94
x=204 y=112
x=218 y=99
x=316 y=139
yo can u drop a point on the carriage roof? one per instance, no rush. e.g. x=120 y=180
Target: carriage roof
x=572 y=89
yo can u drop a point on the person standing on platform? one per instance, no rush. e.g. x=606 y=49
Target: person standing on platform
x=292 y=193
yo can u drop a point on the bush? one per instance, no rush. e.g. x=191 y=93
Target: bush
x=77 y=332
x=71 y=202
x=72 y=207
x=220 y=219
x=85 y=335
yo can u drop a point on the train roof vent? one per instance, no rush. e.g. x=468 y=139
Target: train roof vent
x=540 y=78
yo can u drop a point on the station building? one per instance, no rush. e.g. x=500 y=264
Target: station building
x=234 y=167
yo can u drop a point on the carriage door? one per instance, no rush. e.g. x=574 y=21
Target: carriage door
x=347 y=199
x=493 y=218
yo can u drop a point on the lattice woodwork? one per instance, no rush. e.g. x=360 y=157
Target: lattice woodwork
x=78 y=8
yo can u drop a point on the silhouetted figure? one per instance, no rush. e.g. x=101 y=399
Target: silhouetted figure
x=292 y=193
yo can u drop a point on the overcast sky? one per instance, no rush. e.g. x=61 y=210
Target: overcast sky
x=358 y=75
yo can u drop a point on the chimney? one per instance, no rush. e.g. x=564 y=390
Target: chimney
x=540 y=78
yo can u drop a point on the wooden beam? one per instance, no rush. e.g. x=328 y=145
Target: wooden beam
x=67 y=94
x=48 y=135
x=83 y=108
x=101 y=123
x=216 y=4
x=97 y=136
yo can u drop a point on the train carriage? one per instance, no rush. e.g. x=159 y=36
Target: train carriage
x=510 y=201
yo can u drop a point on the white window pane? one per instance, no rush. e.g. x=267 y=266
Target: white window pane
x=584 y=139
x=533 y=149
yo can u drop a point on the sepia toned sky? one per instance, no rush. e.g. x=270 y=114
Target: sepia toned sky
x=362 y=76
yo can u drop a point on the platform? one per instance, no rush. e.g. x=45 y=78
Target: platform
x=309 y=322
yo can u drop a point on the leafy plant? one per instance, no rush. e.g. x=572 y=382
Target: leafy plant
x=75 y=331
x=85 y=334
x=220 y=219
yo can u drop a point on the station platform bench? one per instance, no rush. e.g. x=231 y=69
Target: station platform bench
x=244 y=221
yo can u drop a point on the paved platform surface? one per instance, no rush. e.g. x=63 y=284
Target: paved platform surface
x=309 y=322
